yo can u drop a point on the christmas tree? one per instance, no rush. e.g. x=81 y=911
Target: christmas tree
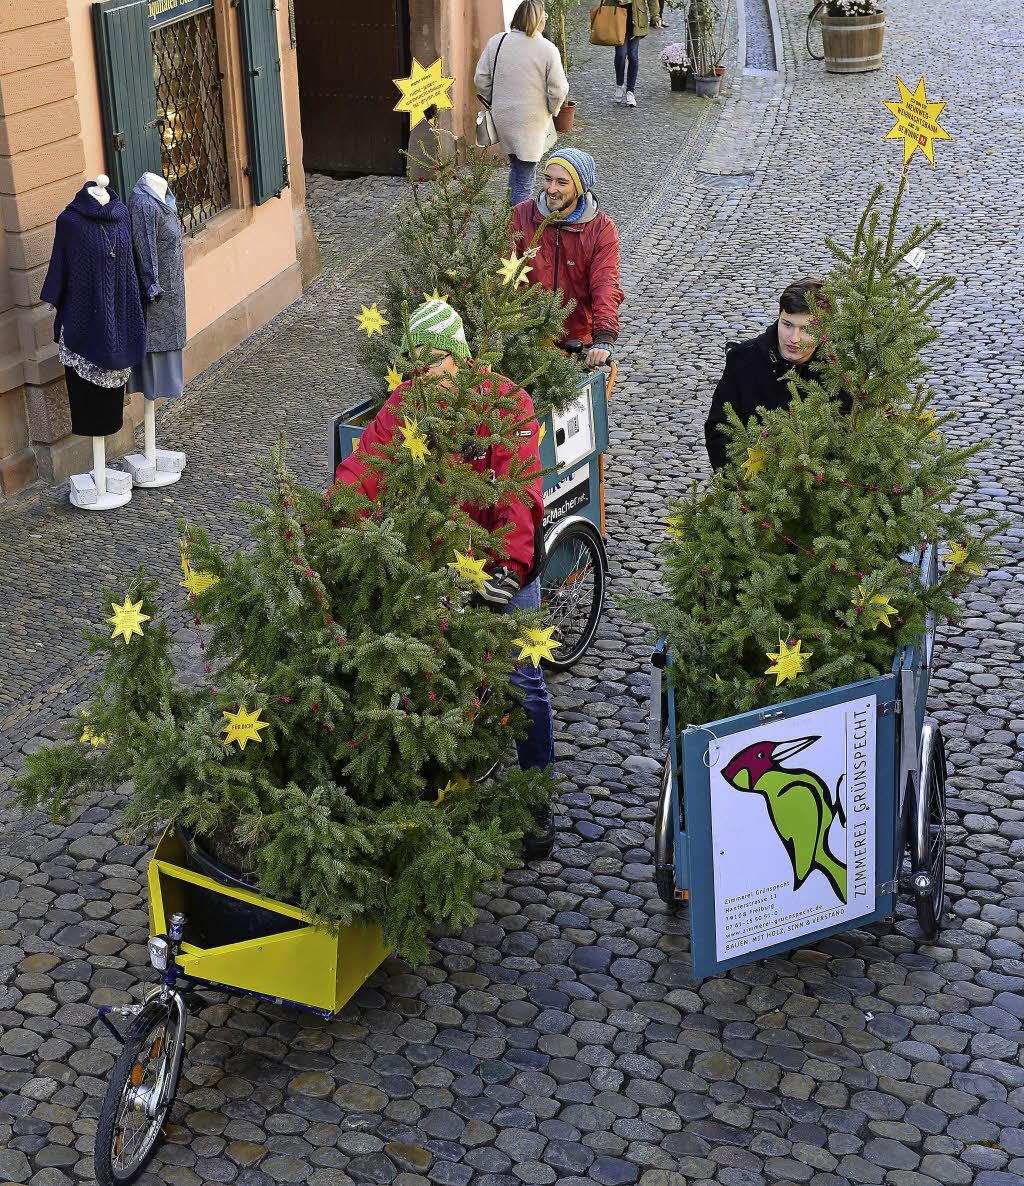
x=797 y=568
x=456 y=244
x=356 y=693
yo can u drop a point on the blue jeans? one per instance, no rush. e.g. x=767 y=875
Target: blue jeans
x=630 y=49
x=521 y=178
x=537 y=748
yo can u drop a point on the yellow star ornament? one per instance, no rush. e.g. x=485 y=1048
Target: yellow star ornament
x=543 y=431
x=457 y=784
x=917 y=121
x=414 y=440
x=243 y=726
x=877 y=606
x=513 y=270
x=94 y=739
x=956 y=556
x=195 y=582
x=435 y=296
x=127 y=619
x=394 y=379
x=754 y=463
x=469 y=569
x=372 y=319
x=425 y=87
x=538 y=644
x=787 y=662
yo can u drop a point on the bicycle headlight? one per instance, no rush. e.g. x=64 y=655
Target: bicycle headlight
x=158 y=949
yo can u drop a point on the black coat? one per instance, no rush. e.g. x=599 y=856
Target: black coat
x=756 y=376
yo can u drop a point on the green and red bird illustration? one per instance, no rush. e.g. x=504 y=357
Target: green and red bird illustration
x=800 y=806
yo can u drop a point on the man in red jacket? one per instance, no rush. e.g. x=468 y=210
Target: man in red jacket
x=578 y=252
x=436 y=335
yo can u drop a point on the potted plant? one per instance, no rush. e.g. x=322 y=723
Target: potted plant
x=562 y=18
x=708 y=25
x=676 y=61
x=852 y=32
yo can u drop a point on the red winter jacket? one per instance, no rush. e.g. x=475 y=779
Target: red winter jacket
x=525 y=518
x=582 y=259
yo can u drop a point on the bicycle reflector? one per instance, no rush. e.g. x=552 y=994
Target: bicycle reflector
x=158 y=948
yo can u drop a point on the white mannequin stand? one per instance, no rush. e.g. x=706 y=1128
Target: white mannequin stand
x=155 y=467
x=101 y=489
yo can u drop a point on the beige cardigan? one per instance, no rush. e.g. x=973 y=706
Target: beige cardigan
x=530 y=87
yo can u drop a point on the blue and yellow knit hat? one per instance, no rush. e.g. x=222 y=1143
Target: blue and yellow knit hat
x=579 y=165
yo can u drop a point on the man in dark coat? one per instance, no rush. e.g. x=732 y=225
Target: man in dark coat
x=757 y=372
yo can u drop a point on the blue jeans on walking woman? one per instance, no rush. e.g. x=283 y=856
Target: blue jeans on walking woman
x=537 y=748
x=629 y=49
x=521 y=178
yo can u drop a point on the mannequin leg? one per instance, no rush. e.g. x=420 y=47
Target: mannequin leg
x=149 y=431
x=99 y=465
x=103 y=489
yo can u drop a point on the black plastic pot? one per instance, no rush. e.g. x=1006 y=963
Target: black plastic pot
x=215 y=920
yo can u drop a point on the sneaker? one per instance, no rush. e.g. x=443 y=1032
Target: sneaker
x=537 y=845
x=630 y=99
x=620 y=94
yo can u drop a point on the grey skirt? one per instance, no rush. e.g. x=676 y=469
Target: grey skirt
x=159 y=375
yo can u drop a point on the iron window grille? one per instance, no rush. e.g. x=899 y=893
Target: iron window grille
x=190 y=112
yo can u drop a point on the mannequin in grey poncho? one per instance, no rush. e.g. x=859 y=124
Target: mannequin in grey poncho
x=160 y=261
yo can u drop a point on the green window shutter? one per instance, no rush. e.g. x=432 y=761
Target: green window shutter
x=124 y=56
x=268 y=163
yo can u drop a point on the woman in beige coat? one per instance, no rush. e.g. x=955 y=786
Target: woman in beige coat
x=521 y=75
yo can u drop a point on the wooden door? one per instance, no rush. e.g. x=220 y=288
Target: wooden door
x=348 y=54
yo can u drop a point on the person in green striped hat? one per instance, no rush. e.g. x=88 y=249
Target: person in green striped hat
x=436 y=341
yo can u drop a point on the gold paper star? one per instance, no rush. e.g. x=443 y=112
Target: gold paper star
x=394 y=378
x=372 y=319
x=755 y=462
x=787 y=662
x=195 y=582
x=414 y=440
x=425 y=87
x=928 y=417
x=468 y=569
x=878 y=606
x=94 y=739
x=543 y=431
x=538 y=644
x=435 y=296
x=917 y=121
x=243 y=726
x=674 y=528
x=456 y=784
x=127 y=619
x=956 y=556
x=513 y=270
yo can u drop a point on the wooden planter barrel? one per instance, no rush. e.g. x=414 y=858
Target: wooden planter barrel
x=853 y=44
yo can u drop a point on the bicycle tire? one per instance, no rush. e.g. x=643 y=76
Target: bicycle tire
x=813 y=18
x=928 y=832
x=572 y=587
x=664 y=842
x=126 y=1084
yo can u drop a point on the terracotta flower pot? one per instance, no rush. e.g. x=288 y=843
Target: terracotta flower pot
x=720 y=72
x=565 y=117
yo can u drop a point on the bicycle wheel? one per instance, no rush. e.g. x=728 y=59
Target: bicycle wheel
x=140 y=1092
x=664 y=842
x=815 y=49
x=928 y=832
x=572 y=590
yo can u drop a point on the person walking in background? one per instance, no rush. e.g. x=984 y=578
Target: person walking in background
x=520 y=74
x=627 y=55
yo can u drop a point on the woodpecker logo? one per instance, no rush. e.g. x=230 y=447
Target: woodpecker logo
x=800 y=806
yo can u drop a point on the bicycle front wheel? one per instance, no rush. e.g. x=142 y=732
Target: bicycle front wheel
x=815 y=48
x=572 y=591
x=140 y=1092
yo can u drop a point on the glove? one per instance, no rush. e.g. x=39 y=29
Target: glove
x=499 y=588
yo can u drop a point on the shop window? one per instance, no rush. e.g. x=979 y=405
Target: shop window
x=190 y=112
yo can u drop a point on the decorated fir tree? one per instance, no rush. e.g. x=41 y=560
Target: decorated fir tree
x=455 y=243
x=356 y=692
x=798 y=567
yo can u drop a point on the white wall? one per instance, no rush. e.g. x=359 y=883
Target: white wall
x=509 y=7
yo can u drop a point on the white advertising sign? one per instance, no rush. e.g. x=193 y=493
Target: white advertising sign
x=793 y=826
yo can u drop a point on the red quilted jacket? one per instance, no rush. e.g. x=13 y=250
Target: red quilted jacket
x=582 y=259
x=525 y=518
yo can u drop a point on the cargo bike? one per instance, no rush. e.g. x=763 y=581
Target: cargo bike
x=773 y=851
x=574 y=567
x=212 y=931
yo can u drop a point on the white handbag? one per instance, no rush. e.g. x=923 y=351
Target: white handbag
x=486 y=132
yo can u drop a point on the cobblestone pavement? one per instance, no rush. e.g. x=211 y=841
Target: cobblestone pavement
x=561 y=1038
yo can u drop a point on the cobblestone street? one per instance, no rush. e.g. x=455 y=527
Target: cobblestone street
x=562 y=1037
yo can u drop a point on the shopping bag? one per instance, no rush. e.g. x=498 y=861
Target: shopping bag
x=607 y=24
